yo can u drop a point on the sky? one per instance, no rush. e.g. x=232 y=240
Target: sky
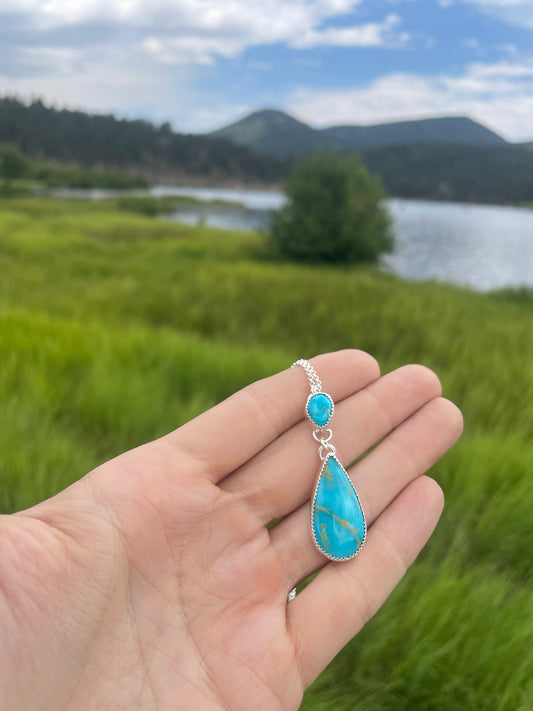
x=201 y=64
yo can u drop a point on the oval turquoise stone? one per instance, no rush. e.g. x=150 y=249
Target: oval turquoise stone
x=338 y=522
x=320 y=409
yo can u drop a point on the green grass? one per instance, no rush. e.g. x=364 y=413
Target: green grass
x=116 y=327
x=151 y=206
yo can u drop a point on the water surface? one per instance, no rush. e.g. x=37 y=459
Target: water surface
x=480 y=246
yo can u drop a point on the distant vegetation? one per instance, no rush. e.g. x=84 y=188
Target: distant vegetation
x=275 y=133
x=19 y=174
x=135 y=147
x=436 y=159
x=116 y=328
x=333 y=214
x=152 y=206
x=500 y=174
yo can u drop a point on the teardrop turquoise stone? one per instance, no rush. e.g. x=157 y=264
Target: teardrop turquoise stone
x=338 y=522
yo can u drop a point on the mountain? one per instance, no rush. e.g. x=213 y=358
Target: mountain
x=276 y=134
x=136 y=147
x=453 y=129
x=453 y=159
x=490 y=170
x=271 y=132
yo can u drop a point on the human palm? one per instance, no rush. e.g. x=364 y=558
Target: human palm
x=155 y=582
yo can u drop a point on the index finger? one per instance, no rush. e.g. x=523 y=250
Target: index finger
x=231 y=433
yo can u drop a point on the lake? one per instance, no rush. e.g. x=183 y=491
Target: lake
x=480 y=246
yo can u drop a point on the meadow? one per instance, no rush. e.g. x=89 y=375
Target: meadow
x=116 y=327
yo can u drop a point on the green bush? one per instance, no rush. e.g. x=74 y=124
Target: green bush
x=16 y=166
x=12 y=163
x=334 y=213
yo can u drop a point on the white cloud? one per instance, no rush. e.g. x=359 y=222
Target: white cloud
x=240 y=25
x=372 y=34
x=122 y=55
x=108 y=78
x=499 y=95
x=143 y=57
x=198 y=31
x=127 y=84
x=134 y=55
x=514 y=12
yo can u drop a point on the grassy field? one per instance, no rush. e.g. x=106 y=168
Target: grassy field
x=116 y=327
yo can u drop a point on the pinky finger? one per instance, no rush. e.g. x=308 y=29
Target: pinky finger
x=344 y=596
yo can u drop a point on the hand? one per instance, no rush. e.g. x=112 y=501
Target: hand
x=154 y=582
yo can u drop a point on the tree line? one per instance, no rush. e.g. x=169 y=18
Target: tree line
x=136 y=147
x=460 y=173
x=154 y=153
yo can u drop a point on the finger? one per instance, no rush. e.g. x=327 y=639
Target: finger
x=228 y=435
x=409 y=451
x=344 y=596
x=280 y=478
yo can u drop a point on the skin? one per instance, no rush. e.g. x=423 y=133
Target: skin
x=154 y=582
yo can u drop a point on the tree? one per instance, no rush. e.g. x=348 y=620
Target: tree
x=12 y=163
x=334 y=212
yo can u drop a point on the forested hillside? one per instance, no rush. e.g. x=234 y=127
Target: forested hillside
x=140 y=147
x=499 y=174
x=275 y=133
x=490 y=172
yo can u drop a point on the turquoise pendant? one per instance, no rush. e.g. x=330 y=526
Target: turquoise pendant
x=337 y=519
x=319 y=409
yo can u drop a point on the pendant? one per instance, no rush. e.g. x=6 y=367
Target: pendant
x=338 y=525
x=337 y=520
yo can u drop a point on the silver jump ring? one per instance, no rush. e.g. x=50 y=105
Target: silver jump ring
x=322 y=436
x=326 y=449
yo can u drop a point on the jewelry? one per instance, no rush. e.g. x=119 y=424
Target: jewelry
x=338 y=525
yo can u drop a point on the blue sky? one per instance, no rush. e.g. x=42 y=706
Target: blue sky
x=203 y=63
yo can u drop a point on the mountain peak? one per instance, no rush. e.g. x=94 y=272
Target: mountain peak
x=278 y=134
x=275 y=116
x=259 y=126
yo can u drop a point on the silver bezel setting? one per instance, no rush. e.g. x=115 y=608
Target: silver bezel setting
x=317 y=546
x=311 y=395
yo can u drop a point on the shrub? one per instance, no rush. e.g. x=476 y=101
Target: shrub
x=12 y=163
x=334 y=213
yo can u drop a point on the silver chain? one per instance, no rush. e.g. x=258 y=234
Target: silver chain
x=314 y=381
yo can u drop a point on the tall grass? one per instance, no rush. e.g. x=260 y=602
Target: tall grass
x=115 y=328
